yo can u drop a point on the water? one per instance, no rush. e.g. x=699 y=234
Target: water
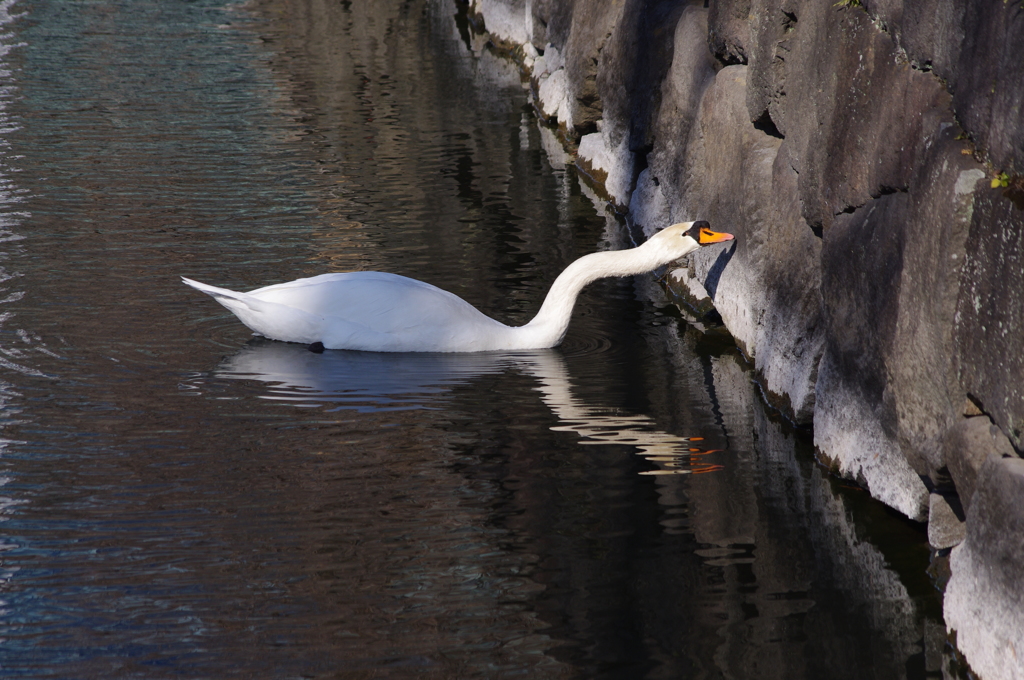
x=178 y=499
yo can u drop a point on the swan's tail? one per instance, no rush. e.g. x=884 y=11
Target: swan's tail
x=275 y=321
x=242 y=304
x=214 y=291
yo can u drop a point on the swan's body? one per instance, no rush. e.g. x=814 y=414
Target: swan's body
x=381 y=312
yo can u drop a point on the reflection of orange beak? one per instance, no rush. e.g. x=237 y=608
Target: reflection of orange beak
x=707 y=236
x=709 y=468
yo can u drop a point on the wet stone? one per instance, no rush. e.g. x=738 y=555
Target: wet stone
x=945 y=529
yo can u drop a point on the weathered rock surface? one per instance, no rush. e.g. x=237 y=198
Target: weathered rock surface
x=975 y=48
x=984 y=599
x=877 y=279
x=990 y=312
x=945 y=528
x=967 y=446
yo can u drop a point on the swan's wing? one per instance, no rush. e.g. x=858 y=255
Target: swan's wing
x=364 y=310
x=375 y=301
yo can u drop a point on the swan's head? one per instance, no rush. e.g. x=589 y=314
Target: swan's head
x=673 y=242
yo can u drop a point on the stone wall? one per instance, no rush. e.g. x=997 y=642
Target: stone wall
x=869 y=157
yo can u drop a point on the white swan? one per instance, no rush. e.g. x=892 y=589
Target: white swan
x=380 y=312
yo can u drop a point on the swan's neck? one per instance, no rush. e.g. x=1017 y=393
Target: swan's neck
x=548 y=328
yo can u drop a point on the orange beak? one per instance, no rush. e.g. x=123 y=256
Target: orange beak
x=707 y=236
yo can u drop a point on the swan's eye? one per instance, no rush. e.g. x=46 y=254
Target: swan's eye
x=696 y=229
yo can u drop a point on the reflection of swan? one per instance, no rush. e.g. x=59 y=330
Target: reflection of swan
x=672 y=454
x=362 y=380
x=377 y=381
x=389 y=313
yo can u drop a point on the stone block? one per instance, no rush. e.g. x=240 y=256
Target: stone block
x=823 y=95
x=849 y=434
x=691 y=72
x=727 y=181
x=861 y=262
x=966 y=447
x=685 y=287
x=920 y=374
x=986 y=84
x=772 y=28
x=984 y=601
x=505 y=20
x=945 y=529
x=930 y=32
x=633 y=64
x=791 y=332
x=609 y=165
x=539 y=17
x=729 y=30
x=975 y=48
x=989 y=333
x=578 y=32
x=890 y=284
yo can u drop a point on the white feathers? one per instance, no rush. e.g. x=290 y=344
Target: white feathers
x=381 y=312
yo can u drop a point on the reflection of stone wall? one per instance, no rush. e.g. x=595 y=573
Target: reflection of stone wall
x=876 y=282
x=779 y=540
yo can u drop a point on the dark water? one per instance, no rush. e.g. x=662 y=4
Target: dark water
x=179 y=500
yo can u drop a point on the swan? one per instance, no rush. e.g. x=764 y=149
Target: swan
x=379 y=312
